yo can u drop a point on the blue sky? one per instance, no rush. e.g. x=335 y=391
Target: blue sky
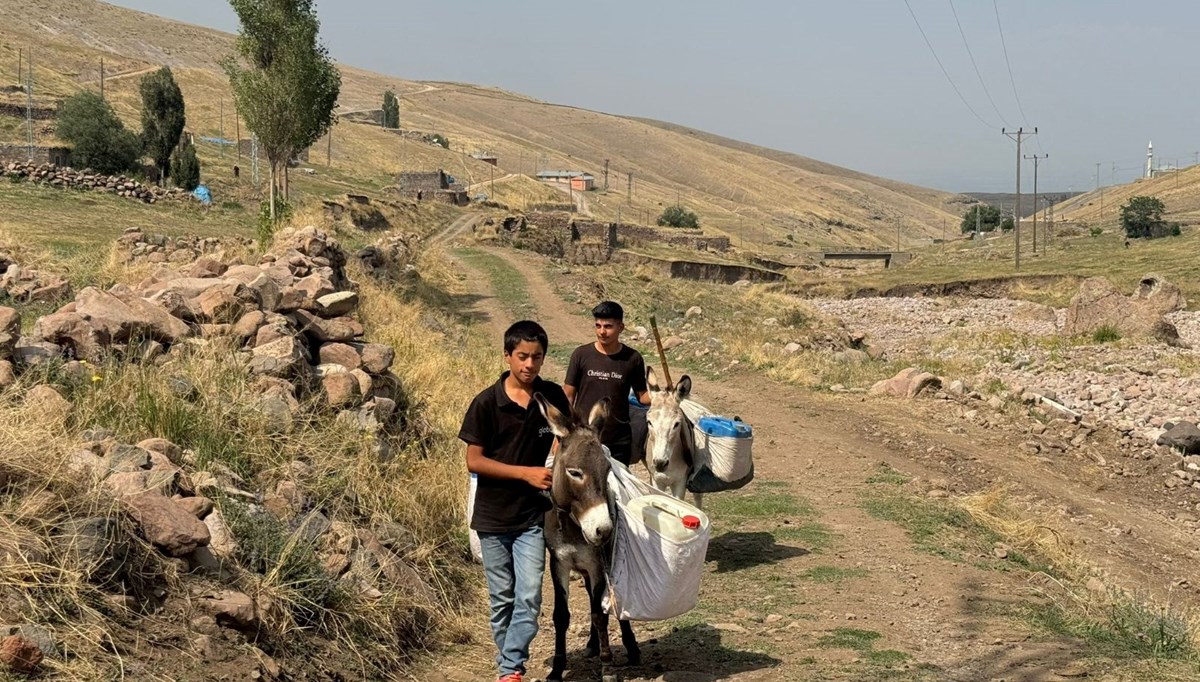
x=850 y=82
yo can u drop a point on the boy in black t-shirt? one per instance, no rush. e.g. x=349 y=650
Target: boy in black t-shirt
x=608 y=368
x=508 y=441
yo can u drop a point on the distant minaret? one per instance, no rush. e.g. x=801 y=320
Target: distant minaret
x=1150 y=159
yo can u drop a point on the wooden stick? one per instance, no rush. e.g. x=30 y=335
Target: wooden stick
x=662 y=355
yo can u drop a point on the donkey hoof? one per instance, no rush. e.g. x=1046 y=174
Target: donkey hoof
x=609 y=677
x=591 y=652
x=633 y=657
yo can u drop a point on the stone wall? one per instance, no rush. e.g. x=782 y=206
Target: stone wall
x=422 y=182
x=720 y=273
x=626 y=234
x=15 y=153
x=38 y=113
x=69 y=178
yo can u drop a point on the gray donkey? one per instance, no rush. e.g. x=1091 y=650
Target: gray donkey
x=579 y=531
x=669 y=442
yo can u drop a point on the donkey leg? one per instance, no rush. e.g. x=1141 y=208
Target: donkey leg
x=699 y=498
x=600 y=621
x=629 y=640
x=562 y=618
x=593 y=644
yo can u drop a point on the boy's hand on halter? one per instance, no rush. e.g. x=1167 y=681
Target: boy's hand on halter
x=539 y=477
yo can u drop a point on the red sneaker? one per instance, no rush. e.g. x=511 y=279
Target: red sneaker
x=511 y=677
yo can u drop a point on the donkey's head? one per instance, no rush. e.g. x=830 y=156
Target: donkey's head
x=665 y=420
x=580 y=485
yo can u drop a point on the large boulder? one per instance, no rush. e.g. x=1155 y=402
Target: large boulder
x=118 y=320
x=70 y=331
x=1100 y=304
x=166 y=524
x=908 y=383
x=279 y=358
x=1183 y=436
x=340 y=329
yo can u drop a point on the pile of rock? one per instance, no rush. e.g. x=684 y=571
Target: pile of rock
x=64 y=177
x=390 y=256
x=138 y=246
x=289 y=315
x=908 y=383
x=26 y=284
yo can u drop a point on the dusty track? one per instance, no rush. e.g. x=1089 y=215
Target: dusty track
x=952 y=616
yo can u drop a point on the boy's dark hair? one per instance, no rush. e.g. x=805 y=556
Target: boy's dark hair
x=525 y=330
x=609 y=310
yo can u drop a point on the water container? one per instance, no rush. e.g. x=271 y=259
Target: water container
x=675 y=520
x=723 y=427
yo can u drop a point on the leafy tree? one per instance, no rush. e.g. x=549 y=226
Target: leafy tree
x=678 y=216
x=185 y=170
x=98 y=138
x=441 y=140
x=391 y=110
x=1007 y=224
x=989 y=218
x=1142 y=217
x=283 y=80
x=163 y=118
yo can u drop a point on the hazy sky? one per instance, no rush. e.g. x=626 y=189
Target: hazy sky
x=850 y=82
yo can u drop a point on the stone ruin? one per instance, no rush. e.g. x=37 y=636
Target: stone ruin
x=28 y=285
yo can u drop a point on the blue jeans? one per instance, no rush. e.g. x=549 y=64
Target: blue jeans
x=514 y=563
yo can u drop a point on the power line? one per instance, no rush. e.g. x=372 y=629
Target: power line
x=1008 y=65
x=943 y=68
x=975 y=66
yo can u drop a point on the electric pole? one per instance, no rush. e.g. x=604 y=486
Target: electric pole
x=629 y=191
x=29 y=107
x=237 y=134
x=222 y=135
x=606 y=175
x=1100 y=191
x=102 y=78
x=1036 y=159
x=978 y=210
x=1017 y=136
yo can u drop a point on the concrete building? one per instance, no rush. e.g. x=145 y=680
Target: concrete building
x=578 y=180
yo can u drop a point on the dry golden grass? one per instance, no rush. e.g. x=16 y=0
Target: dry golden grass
x=736 y=188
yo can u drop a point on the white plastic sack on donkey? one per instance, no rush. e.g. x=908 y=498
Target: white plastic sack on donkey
x=658 y=556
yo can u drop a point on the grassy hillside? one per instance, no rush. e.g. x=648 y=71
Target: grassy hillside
x=1179 y=191
x=743 y=190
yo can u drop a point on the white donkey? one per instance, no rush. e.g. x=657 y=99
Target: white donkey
x=669 y=441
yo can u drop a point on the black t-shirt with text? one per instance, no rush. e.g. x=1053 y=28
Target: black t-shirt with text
x=596 y=375
x=514 y=435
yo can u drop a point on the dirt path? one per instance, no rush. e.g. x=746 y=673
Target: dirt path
x=807 y=580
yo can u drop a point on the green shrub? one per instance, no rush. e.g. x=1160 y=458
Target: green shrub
x=185 y=169
x=99 y=140
x=678 y=216
x=266 y=228
x=1096 y=232
x=1106 y=334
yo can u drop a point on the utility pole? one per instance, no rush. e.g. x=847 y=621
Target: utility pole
x=1018 y=135
x=254 y=156
x=29 y=108
x=1036 y=159
x=629 y=191
x=606 y=175
x=492 y=185
x=102 y=78
x=897 y=233
x=237 y=135
x=222 y=135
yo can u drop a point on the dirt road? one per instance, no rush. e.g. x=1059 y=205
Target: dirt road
x=828 y=567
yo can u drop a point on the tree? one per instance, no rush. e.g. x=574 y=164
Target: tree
x=678 y=216
x=98 y=138
x=989 y=218
x=285 y=84
x=1007 y=224
x=185 y=170
x=1142 y=217
x=391 y=110
x=163 y=118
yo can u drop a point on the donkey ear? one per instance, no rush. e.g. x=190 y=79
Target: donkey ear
x=560 y=425
x=651 y=379
x=599 y=414
x=684 y=388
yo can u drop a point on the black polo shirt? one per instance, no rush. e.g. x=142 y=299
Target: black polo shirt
x=514 y=435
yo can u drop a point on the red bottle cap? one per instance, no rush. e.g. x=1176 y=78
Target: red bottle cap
x=691 y=522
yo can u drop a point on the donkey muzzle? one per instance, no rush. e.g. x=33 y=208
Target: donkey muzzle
x=596 y=524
